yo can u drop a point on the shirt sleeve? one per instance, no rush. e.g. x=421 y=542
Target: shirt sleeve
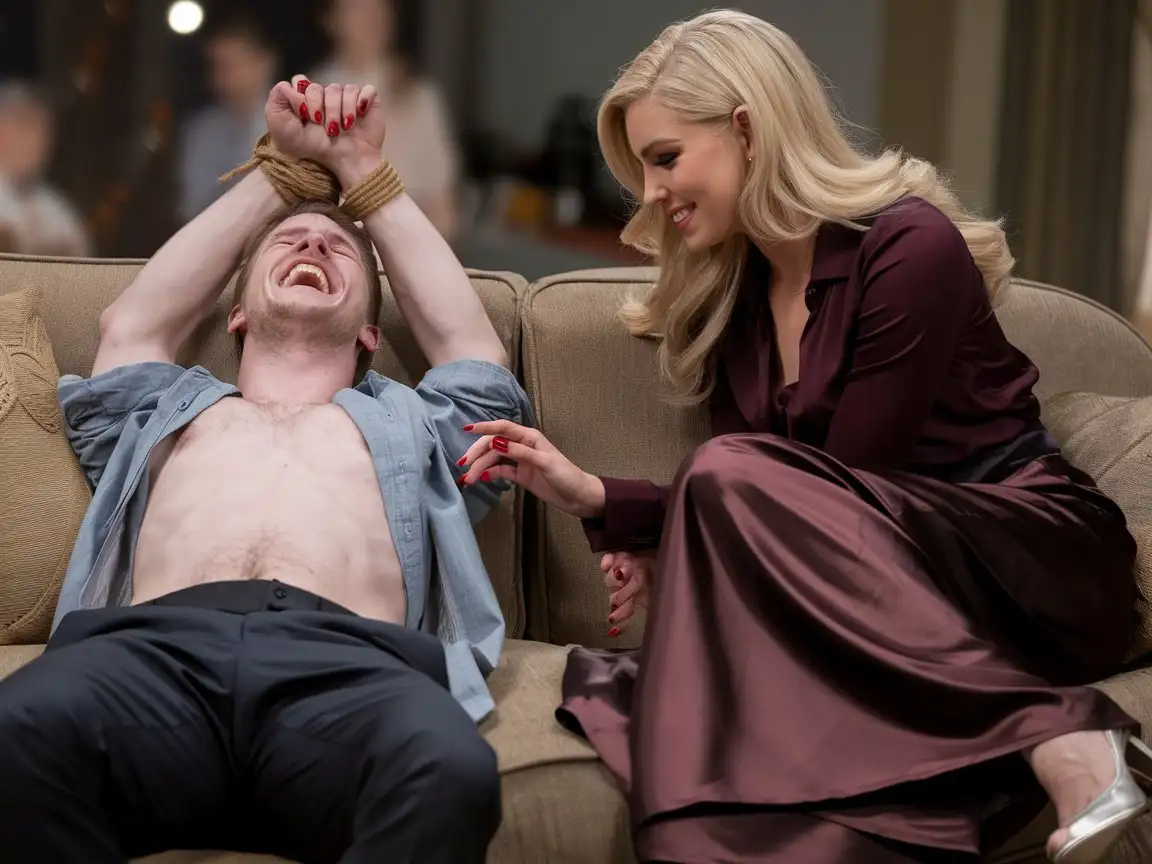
x=919 y=284
x=470 y=391
x=96 y=410
x=633 y=517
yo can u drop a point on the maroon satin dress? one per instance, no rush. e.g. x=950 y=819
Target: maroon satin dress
x=875 y=587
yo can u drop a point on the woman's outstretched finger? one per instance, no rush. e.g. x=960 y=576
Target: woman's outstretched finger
x=520 y=453
x=503 y=471
x=507 y=429
x=478 y=449
x=476 y=468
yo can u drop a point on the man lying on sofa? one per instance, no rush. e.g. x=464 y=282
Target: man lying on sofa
x=275 y=627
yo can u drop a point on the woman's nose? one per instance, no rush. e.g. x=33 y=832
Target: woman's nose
x=654 y=193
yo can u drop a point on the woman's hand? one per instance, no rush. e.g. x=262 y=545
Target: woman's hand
x=628 y=576
x=509 y=451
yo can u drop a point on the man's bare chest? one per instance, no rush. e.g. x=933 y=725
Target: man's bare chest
x=249 y=439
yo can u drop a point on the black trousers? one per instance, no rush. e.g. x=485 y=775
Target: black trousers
x=244 y=716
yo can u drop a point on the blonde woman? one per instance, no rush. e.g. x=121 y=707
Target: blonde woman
x=880 y=590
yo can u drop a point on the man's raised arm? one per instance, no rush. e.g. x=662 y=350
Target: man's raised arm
x=177 y=288
x=433 y=292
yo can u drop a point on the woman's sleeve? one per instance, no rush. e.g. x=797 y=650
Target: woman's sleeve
x=633 y=517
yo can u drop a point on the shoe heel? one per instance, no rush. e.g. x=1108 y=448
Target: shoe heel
x=1139 y=758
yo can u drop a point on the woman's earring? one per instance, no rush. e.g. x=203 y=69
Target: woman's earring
x=749 y=160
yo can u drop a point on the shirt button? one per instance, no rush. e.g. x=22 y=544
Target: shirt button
x=280 y=593
x=184 y=403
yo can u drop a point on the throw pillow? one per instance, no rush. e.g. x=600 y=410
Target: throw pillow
x=43 y=492
x=1110 y=438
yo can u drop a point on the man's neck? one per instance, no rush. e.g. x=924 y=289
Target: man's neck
x=293 y=375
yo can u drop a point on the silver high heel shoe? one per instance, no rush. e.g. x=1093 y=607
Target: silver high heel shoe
x=1099 y=825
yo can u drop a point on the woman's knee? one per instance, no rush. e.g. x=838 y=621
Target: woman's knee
x=721 y=463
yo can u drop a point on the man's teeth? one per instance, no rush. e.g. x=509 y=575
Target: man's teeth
x=298 y=273
x=681 y=214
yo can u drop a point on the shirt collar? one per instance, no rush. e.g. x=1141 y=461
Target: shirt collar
x=836 y=249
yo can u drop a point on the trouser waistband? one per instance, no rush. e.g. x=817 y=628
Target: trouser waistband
x=249 y=595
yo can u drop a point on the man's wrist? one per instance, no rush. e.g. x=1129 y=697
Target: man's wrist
x=352 y=169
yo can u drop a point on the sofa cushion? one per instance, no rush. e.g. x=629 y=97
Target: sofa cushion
x=560 y=804
x=576 y=353
x=76 y=290
x=1077 y=343
x=1110 y=438
x=43 y=493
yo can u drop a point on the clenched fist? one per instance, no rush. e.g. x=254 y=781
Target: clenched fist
x=339 y=126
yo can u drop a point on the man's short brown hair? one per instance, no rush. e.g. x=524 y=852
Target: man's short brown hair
x=358 y=236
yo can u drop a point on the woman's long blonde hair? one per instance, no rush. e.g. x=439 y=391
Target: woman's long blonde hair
x=804 y=171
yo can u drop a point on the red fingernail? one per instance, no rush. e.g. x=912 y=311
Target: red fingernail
x=362 y=108
x=318 y=117
x=302 y=85
x=619 y=575
x=303 y=112
x=615 y=631
x=485 y=476
x=500 y=445
x=333 y=129
x=348 y=121
x=469 y=427
x=461 y=460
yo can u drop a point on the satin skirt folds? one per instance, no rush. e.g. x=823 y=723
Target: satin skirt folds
x=844 y=667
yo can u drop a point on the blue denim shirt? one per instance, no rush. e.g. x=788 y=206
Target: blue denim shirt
x=114 y=419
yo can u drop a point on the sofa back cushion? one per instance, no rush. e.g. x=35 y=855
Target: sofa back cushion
x=43 y=492
x=75 y=291
x=597 y=395
x=1110 y=437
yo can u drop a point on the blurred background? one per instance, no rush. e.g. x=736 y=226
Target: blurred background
x=117 y=116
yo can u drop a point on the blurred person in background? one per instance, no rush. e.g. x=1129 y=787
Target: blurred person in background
x=241 y=66
x=420 y=141
x=35 y=218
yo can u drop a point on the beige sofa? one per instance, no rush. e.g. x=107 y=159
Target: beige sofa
x=596 y=395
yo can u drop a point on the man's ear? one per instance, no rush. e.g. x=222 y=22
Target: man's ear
x=369 y=338
x=237 y=323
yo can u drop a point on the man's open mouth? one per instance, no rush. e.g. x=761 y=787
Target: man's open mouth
x=308 y=275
